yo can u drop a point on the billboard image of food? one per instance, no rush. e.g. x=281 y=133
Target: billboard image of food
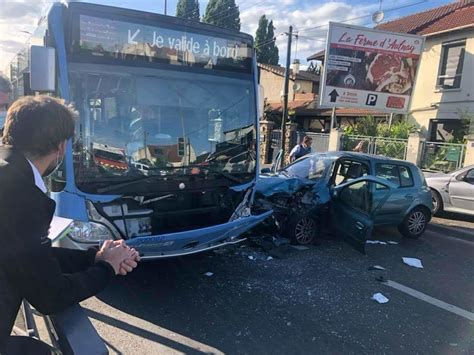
x=370 y=69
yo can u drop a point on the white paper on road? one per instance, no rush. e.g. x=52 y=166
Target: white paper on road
x=392 y=242
x=378 y=267
x=375 y=242
x=413 y=262
x=209 y=274
x=379 y=298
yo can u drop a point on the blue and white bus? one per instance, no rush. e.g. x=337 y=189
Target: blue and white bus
x=166 y=145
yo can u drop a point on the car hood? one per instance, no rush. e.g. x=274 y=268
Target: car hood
x=268 y=185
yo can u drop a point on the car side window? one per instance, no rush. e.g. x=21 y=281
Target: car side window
x=469 y=178
x=399 y=175
x=406 y=178
x=347 y=170
x=388 y=172
x=360 y=197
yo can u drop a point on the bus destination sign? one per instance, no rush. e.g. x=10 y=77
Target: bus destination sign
x=127 y=40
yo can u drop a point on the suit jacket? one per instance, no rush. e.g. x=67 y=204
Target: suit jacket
x=49 y=278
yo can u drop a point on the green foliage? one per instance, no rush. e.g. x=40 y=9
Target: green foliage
x=266 y=49
x=223 y=13
x=369 y=126
x=273 y=55
x=188 y=9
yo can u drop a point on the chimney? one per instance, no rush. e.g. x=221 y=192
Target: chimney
x=295 y=66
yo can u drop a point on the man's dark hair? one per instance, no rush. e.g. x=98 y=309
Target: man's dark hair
x=306 y=139
x=36 y=125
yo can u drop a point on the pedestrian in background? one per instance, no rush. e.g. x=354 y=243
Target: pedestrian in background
x=50 y=279
x=301 y=149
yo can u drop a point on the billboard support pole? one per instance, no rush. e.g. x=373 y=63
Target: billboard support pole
x=390 y=120
x=285 y=92
x=333 y=117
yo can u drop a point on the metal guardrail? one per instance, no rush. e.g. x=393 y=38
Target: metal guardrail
x=445 y=157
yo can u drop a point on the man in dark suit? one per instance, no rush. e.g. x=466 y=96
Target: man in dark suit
x=50 y=279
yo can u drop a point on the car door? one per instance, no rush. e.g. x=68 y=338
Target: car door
x=354 y=206
x=396 y=207
x=461 y=190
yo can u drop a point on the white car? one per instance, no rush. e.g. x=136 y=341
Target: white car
x=453 y=192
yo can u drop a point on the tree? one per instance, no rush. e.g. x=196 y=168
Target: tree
x=222 y=13
x=273 y=56
x=267 y=51
x=188 y=9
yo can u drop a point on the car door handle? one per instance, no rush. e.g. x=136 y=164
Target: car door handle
x=408 y=196
x=359 y=225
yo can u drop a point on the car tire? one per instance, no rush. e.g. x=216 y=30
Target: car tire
x=437 y=202
x=302 y=229
x=415 y=222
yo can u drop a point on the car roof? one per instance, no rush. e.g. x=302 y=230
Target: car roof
x=333 y=155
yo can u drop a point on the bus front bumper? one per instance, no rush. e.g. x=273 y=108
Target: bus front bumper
x=195 y=241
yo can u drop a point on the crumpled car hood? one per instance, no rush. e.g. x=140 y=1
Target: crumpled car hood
x=268 y=185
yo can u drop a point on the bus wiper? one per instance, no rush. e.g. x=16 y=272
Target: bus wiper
x=211 y=169
x=126 y=183
x=151 y=177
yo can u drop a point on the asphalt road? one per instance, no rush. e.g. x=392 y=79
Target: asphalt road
x=307 y=301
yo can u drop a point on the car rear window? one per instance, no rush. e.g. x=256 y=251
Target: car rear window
x=397 y=174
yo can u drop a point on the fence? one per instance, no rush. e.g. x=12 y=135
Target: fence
x=444 y=157
x=389 y=147
x=320 y=140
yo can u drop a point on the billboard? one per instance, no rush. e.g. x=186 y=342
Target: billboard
x=370 y=69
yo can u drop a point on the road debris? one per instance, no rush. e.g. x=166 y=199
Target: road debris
x=413 y=262
x=279 y=241
x=392 y=242
x=379 y=298
x=300 y=247
x=209 y=274
x=269 y=258
x=376 y=267
x=251 y=257
x=376 y=242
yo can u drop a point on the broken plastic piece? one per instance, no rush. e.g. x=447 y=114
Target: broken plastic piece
x=376 y=267
x=269 y=258
x=251 y=257
x=379 y=298
x=209 y=274
x=413 y=262
x=392 y=242
x=376 y=242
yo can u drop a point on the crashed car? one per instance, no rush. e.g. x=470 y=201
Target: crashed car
x=453 y=192
x=347 y=192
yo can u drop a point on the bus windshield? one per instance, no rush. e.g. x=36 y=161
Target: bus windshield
x=148 y=121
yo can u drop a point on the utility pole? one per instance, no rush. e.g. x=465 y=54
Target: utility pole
x=285 y=92
x=166 y=7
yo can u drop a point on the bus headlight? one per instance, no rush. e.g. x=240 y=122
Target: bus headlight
x=89 y=232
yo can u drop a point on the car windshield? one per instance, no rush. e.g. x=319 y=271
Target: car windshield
x=161 y=122
x=311 y=167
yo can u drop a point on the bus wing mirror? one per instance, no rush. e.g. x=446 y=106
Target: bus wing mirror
x=42 y=69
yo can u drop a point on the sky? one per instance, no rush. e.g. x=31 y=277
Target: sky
x=19 y=17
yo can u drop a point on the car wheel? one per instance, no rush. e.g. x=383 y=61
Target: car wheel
x=414 y=224
x=302 y=229
x=437 y=202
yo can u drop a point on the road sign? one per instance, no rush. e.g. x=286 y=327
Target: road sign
x=367 y=68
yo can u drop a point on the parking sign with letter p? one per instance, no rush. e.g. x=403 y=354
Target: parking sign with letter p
x=371 y=100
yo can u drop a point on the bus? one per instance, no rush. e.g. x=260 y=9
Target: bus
x=166 y=145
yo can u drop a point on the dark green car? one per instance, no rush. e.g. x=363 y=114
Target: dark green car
x=347 y=192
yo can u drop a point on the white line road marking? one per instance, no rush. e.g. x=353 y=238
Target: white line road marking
x=435 y=302
x=453 y=239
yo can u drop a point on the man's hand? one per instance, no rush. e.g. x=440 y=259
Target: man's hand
x=119 y=255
